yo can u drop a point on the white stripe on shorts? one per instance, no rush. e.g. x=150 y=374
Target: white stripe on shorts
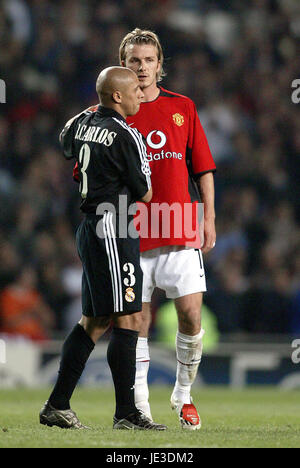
x=114 y=265
x=117 y=261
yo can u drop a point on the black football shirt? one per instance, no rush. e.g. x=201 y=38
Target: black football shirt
x=111 y=157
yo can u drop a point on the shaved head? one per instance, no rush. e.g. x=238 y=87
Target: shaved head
x=118 y=88
x=111 y=80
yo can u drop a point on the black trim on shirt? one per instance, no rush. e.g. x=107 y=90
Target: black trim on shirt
x=192 y=186
x=200 y=174
x=165 y=93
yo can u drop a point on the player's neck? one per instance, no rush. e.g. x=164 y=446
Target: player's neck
x=151 y=93
x=115 y=107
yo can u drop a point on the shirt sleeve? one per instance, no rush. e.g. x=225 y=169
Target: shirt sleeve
x=137 y=170
x=198 y=148
x=66 y=136
x=66 y=141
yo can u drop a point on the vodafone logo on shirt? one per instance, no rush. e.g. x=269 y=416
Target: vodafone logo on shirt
x=159 y=142
x=161 y=135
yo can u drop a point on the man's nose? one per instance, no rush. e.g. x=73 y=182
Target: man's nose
x=142 y=65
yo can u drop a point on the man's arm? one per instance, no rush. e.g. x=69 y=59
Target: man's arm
x=207 y=192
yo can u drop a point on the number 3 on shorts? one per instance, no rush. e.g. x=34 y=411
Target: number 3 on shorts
x=129 y=269
x=84 y=159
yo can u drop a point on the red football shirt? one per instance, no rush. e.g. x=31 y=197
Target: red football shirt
x=178 y=154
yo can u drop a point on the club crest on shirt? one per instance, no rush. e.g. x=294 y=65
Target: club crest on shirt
x=129 y=296
x=178 y=119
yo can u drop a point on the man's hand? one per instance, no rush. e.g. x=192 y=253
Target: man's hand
x=209 y=235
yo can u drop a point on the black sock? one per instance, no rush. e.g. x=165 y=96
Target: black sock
x=121 y=357
x=75 y=353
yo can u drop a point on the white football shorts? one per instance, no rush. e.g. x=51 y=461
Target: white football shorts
x=178 y=270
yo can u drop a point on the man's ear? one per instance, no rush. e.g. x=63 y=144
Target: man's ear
x=117 y=97
x=123 y=63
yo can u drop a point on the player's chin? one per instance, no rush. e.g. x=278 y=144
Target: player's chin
x=144 y=84
x=135 y=110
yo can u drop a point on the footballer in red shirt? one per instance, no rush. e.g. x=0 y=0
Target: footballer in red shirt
x=178 y=154
x=181 y=172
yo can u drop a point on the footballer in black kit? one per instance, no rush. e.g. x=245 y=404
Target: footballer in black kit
x=112 y=163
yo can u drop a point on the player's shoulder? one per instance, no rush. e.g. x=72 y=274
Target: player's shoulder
x=126 y=130
x=90 y=110
x=67 y=131
x=171 y=94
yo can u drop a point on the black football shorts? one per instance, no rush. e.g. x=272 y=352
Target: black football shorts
x=112 y=277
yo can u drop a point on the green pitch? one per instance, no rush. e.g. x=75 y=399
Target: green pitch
x=249 y=418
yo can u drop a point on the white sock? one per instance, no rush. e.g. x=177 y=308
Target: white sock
x=189 y=353
x=141 y=391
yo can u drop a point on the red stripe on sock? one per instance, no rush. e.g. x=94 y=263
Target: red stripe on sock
x=184 y=364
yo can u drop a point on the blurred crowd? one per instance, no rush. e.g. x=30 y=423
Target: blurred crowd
x=237 y=61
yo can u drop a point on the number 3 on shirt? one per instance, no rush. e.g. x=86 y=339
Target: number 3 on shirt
x=84 y=159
